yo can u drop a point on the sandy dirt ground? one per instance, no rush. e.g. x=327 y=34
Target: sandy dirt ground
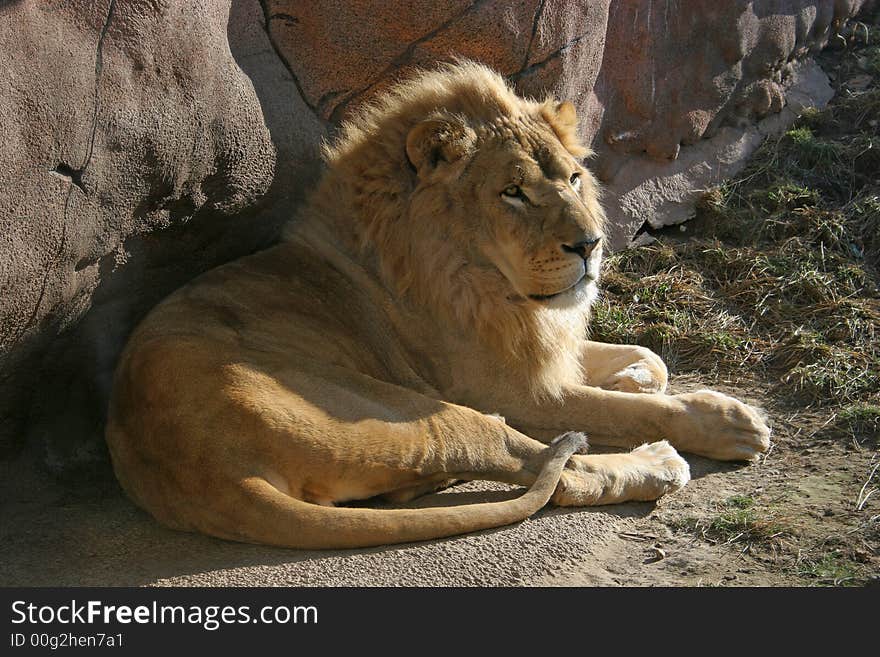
x=800 y=527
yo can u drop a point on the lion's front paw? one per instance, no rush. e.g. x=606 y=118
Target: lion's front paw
x=636 y=370
x=644 y=474
x=720 y=427
x=638 y=377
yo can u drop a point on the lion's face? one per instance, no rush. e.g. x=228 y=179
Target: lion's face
x=527 y=209
x=540 y=224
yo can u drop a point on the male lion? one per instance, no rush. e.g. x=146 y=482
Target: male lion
x=442 y=272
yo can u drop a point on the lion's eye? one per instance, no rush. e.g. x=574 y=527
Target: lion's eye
x=513 y=190
x=575 y=180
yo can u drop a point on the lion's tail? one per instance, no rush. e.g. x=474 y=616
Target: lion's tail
x=286 y=521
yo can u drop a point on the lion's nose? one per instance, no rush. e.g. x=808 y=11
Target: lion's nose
x=583 y=248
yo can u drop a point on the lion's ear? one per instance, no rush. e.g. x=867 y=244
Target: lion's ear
x=562 y=117
x=566 y=114
x=438 y=140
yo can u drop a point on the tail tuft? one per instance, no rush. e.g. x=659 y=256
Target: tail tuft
x=578 y=442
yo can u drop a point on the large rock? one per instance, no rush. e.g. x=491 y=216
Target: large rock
x=148 y=140
x=134 y=153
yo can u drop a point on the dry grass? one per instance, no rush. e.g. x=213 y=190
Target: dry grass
x=780 y=283
x=783 y=280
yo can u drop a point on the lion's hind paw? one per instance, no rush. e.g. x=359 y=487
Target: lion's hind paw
x=664 y=466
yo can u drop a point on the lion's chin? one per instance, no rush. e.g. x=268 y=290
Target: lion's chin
x=584 y=291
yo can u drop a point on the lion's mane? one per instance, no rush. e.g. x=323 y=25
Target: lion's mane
x=366 y=198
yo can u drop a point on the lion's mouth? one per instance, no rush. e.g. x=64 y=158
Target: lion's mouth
x=581 y=282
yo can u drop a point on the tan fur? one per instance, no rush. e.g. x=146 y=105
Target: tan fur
x=442 y=272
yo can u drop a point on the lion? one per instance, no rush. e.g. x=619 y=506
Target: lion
x=424 y=320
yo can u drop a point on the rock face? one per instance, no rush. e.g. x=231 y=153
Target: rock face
x=148 y=140
x=134 y=153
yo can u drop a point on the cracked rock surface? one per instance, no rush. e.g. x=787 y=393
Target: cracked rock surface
x=146 y=141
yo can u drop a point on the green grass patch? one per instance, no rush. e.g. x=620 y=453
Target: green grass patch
x=860 y=422
x=831 y=569
x=810 y=151
x=738 y=520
